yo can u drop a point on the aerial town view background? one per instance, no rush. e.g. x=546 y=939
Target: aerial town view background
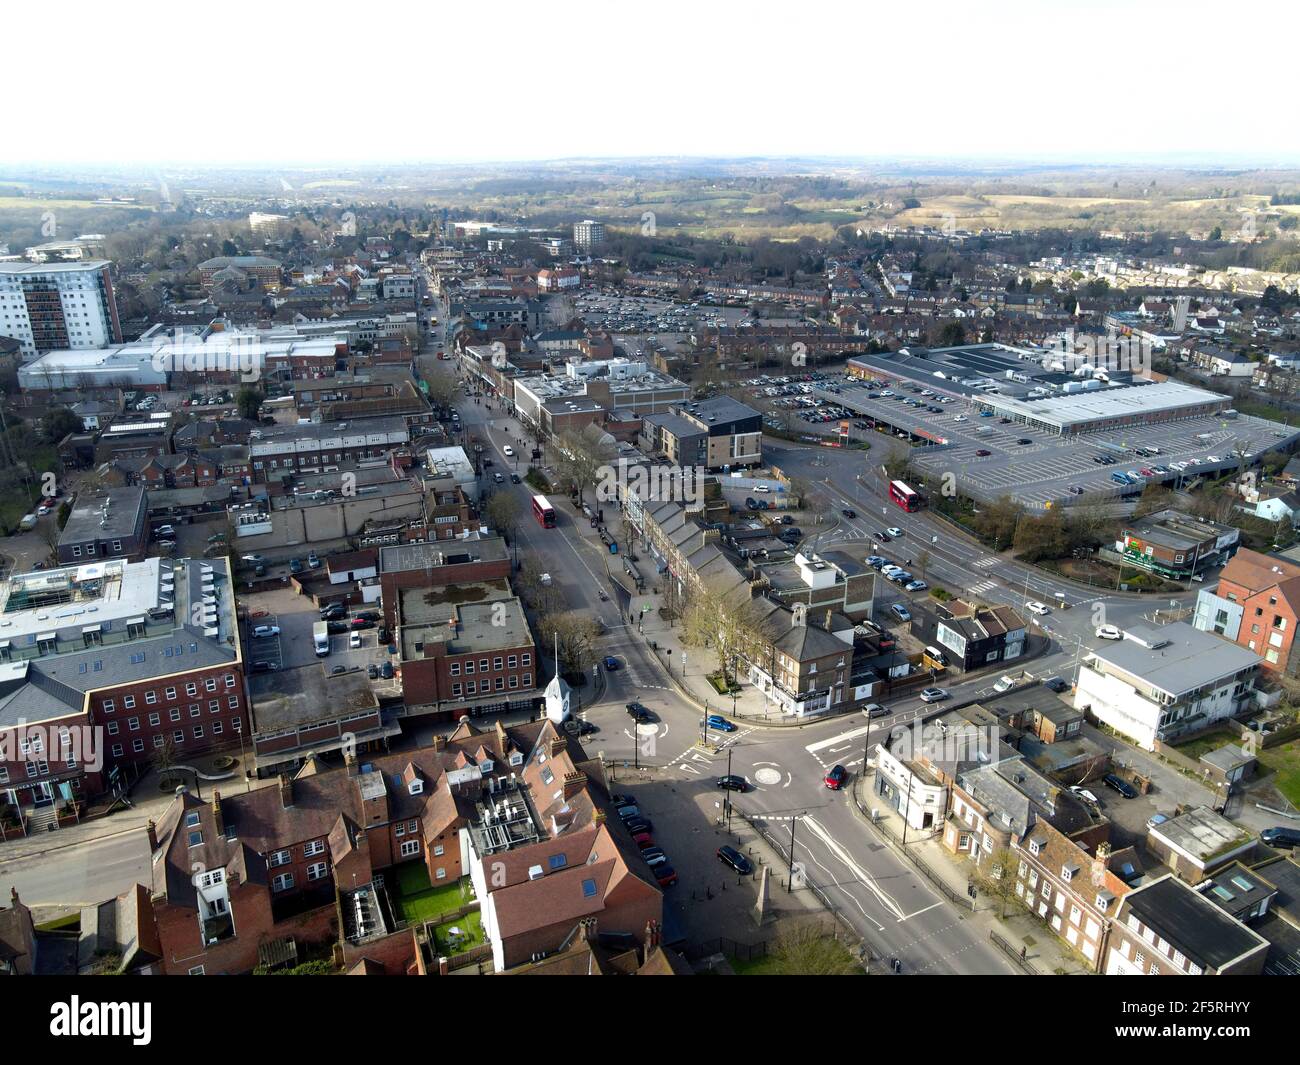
x=804 y=540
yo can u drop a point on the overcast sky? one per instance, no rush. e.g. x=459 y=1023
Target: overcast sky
x=293 y=83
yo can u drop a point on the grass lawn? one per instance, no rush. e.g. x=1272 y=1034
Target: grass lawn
x=471 y=927
x=766 y=966
x=1193 y=749
x=1283 y=761
x=420 y=901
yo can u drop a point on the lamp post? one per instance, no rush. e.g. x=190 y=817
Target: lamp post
x=789 y=872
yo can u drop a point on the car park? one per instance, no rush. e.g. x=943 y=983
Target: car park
x=732 y=858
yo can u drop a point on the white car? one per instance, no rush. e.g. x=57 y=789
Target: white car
x=1109 y=632
x=1084 y=794
x=893 y=530
x=508 y=451
x=933 y=695
x=264 y=631
x=354 y=641
x=1035 y=607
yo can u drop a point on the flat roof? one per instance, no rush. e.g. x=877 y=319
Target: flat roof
x=107 y=516
x=1175 y=658
x=1199 y=929
x=1202 y=833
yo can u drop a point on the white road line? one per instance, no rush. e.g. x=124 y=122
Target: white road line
x=813 y=748
x=862 y=874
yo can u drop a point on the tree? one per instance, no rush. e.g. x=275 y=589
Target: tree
x=59 y=422
x=1155 y=497
x=502 y=512
x=997 y=878
x=579 y=460
x=576 y=635
x=729 y=629
x=952 y=335
x=805 y=948
x=249 y=402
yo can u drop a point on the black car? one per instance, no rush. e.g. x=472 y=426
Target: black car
x=1056 y=684
x=332 y=611
x=732 y=857
x=733 y=783
x=1024 y=440
x=369 y=615
x=336 y=627
x=848 y=513
x=620 y=800
x=1121 y=785
x=514 y=478
x=372 y=671
x=637 y=712
x=1281 y=837
x=386 y=670
x=637 y=825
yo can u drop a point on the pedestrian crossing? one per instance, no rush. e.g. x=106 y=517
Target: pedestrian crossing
x=988 y=562
x=981 y=587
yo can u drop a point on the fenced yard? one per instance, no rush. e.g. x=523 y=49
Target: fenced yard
x=420 y=901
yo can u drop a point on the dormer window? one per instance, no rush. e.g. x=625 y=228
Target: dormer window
x=516 y=758
x=416 y=787
x=486 y=765
x=1034 y=846
x=1068 y=871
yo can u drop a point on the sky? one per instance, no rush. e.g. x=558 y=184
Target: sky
x=238 y=83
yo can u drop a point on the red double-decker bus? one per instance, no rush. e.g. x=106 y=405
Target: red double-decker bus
x=543 y=513
x=902 y=496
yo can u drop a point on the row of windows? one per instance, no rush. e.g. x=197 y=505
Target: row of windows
x=511 y=662
x=486 y=687
x=178 y=737
x=214 y=707
x=169 y=694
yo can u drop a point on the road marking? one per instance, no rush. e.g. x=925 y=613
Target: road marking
x=836 y=849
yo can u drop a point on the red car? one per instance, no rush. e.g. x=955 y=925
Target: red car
x=836 y=777
x=644 y=840
x=1148 y=472
x=666 y=875
x=982 y=454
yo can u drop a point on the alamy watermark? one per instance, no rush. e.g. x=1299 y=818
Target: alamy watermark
x=221 y=353
x=675 y=484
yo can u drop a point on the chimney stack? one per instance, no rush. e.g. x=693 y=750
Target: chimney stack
x=152 y=829
x=573 y=783
x=558 y=744
x=502 y=742
x=216 y=813
x=439 y=743
x=652 y=936
x=286 y=791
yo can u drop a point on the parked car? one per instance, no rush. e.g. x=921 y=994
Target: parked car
x=313 y=560
x=1281 y=837
x=637 y=825
x=295 y=565
x=1056 y=684
x=1085 y=795
x=334 y=610
x=729 y=856
x=720 y=723
x=875 y=710
x=387 y=671
x=629 y=811
x=734 y=782
x=1156 y=820
x=1004 y=683
x=1121 y=785
x=933 y=695
x=983 y=453
x=899 y=611
x=916 y=586
x=264 y=631
x=654 y=856
x=361 y=623
x=354 y=641
x=835 y=777
x=666 y=875
x=1109 y=632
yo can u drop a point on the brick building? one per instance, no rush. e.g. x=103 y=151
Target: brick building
x=1256 y=604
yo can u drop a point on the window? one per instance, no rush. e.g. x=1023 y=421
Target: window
x=283 y=882
x=112 y=728
x=169 y=694
x=589 y=889
x=409 y=848
x=129 y=702
x=214 y=706
x=399 y=829
x=496 y=663
x=281 y=857
x=109 y=706
x=179 y=736
x=437 y=850
x=150 y=697
x=196 y=971
x=317 y=871
x=133 y=723
x=174 y=713
x=198 y=732
x=155 y=719
x=455 y=669
x=455 y=691
x=313 y=848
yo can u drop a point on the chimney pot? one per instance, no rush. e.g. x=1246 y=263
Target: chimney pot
x=286 y=791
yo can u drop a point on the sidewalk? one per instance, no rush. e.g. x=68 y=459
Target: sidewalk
x=951 y=875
